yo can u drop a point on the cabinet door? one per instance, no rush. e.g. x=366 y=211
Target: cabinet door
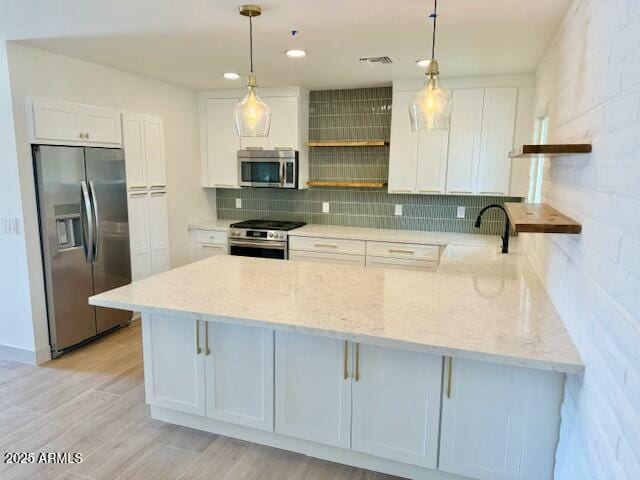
x=498 y=125
x=56 y=121
x=239 y=375
x=313 y=399
x=159 y=232
x=432 y=161
x=101 y=125
x=464 y=140
x=284 y=129
x=206 y=250
x=134 y=149
x=173 y=367
x=403 y=151
x=139 y=236
x=154 y=147
x=396 y=405
x=222 y=144
x=496 y=419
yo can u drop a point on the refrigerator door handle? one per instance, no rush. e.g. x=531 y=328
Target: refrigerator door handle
x=96 y=220
x=90 y=230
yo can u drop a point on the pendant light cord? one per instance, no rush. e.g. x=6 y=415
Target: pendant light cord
x=251 y=42
x=434 y=15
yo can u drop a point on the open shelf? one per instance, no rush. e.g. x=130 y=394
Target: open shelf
x=540 y=218
x=348 y=143
x=322 y=183
x=549 y=150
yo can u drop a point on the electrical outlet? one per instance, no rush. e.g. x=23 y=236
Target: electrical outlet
x=460 y=213
x=9 y=226
x=325 y=207
x=238 y=203
x=398 y=210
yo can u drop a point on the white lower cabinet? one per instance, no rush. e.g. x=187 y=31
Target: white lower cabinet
x=239 y=374
x=396 y=405
x=221 y=371
x=499 y=422
x=326 y=257
x=173 y=367
x=312 y=396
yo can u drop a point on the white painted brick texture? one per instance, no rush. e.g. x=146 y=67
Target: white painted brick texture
x=589 y=85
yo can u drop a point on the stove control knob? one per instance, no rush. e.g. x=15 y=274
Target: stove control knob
x=270 y=235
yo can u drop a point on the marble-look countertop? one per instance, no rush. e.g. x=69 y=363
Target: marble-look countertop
x=399 y=236
x=219 y=225
x=478 y=304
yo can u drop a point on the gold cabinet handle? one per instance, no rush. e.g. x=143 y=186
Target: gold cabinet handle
x=325 y=245
x=449 y=373
x=346 y=361
x=357 y=375
x=395 y=250
x=206 y=338
x=198 y=349
x=86 y=135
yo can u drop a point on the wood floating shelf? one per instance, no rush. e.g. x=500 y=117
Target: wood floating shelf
x=349 y=143
x=550 y=150
x=540 y=218
x=322 y=183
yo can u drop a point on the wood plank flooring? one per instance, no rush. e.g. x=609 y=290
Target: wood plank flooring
x=92 y=401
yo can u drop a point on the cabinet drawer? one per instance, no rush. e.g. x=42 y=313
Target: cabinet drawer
x=411 y=251
x=329 y=245
x=211 y=236
x=403 y=263
x=322 y=257
x=206 y=250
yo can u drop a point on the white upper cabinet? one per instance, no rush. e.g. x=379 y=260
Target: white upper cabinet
x=396 y=405
x=464 y=145
x=143 y=137
x=432 y=161
x=498 y=124
x=57 y=122
x=220 y=142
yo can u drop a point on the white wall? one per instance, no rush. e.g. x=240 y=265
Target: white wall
x=589 y=83
x=38 y=73
x=16 y=328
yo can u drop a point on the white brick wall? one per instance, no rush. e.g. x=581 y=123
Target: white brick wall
x=589 y=85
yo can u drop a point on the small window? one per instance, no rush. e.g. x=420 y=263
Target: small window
x=536 y=171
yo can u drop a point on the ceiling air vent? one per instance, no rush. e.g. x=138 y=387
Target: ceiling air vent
x=375 y=60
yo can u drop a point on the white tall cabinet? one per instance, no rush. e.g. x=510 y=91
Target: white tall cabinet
x=220 y=142
x=143 y=141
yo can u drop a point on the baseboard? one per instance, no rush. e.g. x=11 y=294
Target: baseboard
x=24 y=355
x=305 y=447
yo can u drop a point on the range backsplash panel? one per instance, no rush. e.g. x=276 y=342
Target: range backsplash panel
x=357 y=114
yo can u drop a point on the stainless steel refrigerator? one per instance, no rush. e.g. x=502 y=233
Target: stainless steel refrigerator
x=84 y=233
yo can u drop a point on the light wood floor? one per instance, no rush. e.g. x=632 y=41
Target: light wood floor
x=92 y=401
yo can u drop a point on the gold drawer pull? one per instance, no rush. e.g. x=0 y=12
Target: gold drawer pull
x=325 y=245
x=450 y=371
x=346 y=361
x=408 y=252
x=198 y=349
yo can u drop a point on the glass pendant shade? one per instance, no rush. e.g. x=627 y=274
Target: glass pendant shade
x=252 y=115
x=431 y=107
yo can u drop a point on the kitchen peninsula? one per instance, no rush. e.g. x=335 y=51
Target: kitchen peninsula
x=442 y=375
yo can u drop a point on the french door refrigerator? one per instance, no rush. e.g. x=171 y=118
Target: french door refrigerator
x=84 y=234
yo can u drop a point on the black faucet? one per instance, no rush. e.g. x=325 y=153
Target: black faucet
x=507 y=225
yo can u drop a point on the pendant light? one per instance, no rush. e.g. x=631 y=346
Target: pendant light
x=431 y=106
x=252 y=115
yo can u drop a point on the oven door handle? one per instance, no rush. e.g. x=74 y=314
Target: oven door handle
x=259 y=244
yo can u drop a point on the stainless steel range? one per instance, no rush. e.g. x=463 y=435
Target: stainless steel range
x=261 y=238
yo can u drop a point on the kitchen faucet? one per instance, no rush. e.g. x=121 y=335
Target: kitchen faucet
x=507 y=225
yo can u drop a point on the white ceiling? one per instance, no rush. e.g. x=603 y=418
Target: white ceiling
x=193 y=42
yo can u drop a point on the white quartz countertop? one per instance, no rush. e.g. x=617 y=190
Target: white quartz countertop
x=477 y=305
x=220 y=225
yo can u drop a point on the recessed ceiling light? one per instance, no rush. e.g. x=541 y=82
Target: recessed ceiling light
x=231 y=76
x=295 y=53
x=423 y=63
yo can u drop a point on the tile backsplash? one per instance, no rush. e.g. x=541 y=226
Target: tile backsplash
x=357 y=114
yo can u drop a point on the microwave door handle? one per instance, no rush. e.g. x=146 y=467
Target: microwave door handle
x=282 y=170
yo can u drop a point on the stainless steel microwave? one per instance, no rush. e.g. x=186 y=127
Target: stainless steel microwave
x=268 y=168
